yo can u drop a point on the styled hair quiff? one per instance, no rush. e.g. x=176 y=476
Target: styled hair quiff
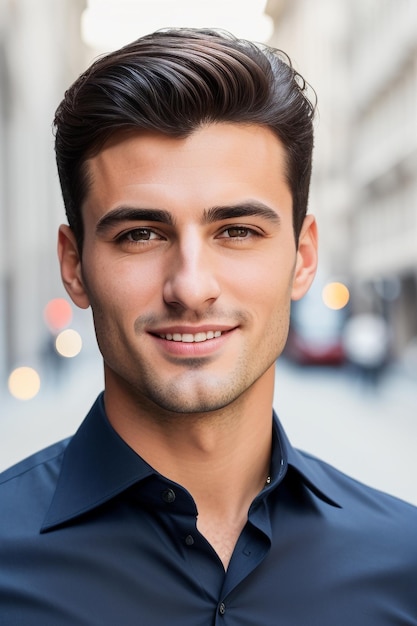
x=172 y=82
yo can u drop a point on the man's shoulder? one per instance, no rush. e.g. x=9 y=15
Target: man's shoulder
x=26 y=488
x=360 y=499
x=48 y=456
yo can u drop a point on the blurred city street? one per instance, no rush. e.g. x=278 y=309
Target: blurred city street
x=369 y=434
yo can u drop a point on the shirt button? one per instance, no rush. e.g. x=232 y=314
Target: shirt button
x=168 y=496
x=189 y=540
x=222 y=608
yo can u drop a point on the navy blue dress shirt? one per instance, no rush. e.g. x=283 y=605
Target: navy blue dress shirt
x=91 y=535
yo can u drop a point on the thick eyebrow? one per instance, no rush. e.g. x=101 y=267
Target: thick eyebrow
x=132 y=214
x=212 y=215
x=245 y=209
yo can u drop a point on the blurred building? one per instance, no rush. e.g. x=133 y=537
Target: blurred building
x=40 y=54
x=383 y=59
x=361 y=58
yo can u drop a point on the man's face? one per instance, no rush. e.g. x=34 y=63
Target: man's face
x=189 y=264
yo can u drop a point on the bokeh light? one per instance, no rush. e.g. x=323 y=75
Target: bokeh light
x=24 y=383
x=335 y=295
x=57 y=314
x=68 y=343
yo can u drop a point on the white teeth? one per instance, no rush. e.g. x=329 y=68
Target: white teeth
x=190 y=338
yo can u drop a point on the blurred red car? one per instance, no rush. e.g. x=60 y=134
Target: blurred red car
x=316 y=333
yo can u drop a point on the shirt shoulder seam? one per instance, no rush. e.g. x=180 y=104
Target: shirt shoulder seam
x=15 y=471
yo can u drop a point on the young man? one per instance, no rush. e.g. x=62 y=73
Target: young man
x=185 y=162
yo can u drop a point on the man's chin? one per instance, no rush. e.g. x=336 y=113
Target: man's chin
x=193 y=401
x=192 y=407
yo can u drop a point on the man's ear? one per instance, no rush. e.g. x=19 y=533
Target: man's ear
x=306 y=263
x=71 y=270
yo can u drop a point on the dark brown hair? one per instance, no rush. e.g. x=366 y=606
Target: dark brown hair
x=173 y=81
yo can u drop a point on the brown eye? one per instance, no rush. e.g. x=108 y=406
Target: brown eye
x=140 y=234
x=237 y=231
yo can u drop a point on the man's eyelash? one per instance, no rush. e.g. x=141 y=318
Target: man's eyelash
x=150 y=234
x=125 y=236
x=249 y=231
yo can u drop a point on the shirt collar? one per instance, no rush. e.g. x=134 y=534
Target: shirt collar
x=312 y=471
x=98 y=465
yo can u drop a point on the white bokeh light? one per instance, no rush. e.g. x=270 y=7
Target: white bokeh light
x=24 y=383
x=68 y=343
x=108 y=24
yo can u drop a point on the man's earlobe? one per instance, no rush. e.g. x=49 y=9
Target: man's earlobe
x=71 y=269
x=306 y=263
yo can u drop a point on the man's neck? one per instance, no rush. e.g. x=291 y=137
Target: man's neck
x=193 y=449
x=221 y=458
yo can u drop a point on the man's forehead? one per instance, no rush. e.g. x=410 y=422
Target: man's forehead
x=218 y=164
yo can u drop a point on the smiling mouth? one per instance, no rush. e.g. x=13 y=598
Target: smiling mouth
x=191 y=338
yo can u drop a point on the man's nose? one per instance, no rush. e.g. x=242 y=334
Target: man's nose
x=192 y=276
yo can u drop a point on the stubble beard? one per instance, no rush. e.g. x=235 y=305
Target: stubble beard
x=190 y=394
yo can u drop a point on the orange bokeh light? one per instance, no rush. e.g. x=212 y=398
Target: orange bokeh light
x=335 y=295
x=57 y=314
